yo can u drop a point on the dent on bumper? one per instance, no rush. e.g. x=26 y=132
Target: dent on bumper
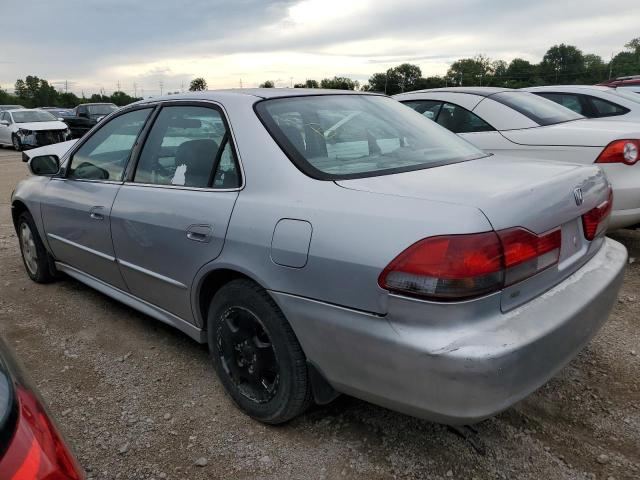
x=457 y=363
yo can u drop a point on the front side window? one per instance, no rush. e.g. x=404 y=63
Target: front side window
x=460 y=120
x=541 y=110
x=428 y=108
x=188 y=146
x=567 y=100
x=105 y=154
x=30 y=116
x=350 y=136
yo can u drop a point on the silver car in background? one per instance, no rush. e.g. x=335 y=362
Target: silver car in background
x=324 y=242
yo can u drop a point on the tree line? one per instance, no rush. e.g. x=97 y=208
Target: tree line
x=36 y=92
x=562 y=63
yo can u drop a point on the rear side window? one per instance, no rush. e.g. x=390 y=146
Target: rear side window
x=568 y=100
x=334 y=137
x=188 y=146
x=105 y=154
x=604 y=108
x=541 y=110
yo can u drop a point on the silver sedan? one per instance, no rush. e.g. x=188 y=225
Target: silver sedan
x=324 y=242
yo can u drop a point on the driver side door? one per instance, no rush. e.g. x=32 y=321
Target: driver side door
x=76 y=208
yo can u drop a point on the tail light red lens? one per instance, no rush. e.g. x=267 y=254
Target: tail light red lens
x=36 y=451
x=457 y=267
x=621 y=151
x=594 y=221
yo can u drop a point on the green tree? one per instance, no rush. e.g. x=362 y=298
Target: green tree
x=562 y=63
x=198 y=85
x=121 y=98
x=307 y=84
x=267 y=84
x=470 y=71
x=407 y=75
x=633 y=45
x=339 y=83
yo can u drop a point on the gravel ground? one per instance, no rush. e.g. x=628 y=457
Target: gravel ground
x=138 y=400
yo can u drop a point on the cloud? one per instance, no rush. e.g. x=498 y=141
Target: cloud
x=95 y=45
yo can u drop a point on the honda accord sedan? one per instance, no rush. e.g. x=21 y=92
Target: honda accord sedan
x=524 y=126
x=327 y=242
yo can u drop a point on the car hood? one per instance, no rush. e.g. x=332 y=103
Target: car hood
x=537 y=195
x=583 y=133
x=36 y=126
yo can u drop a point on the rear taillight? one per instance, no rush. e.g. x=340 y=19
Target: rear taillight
x=457 y=267
x=594 y=221
x=621 y=151
x=36 y=451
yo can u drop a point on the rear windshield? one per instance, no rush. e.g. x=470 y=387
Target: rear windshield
x=540 y=110
x=350 y=136
x=32 y=116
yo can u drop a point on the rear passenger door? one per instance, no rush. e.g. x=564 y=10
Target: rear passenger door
x=171 y=215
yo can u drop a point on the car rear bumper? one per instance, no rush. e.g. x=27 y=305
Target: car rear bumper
x=624 y=218
x=457 y=363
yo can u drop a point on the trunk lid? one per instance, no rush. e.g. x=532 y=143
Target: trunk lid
x=536 y=195
x=578 y=133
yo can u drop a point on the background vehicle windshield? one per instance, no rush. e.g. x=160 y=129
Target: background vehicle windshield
x=33 y=116
x=540 y=110
x=101 y=109
x=350 y=136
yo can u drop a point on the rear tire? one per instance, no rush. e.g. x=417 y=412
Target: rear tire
x=17 y=144
x=37 y=261
x=256 y=354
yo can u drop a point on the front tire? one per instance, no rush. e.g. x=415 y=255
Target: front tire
x=256 y=354
x=37 y=261
x=17 y=144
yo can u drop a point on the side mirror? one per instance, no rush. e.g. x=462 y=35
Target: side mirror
x=4 y=123
x=44 y=165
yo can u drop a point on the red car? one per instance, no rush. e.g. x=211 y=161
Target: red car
x=632 y=81
x=31 y=447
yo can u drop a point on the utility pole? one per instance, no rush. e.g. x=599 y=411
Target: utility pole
x=118 y=85
x=135 y=89
x=66 y=87
x=241 y=83
x=611 y=66
x=161 y=86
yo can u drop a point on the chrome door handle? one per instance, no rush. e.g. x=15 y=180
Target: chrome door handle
x=200 y=233
x=96 y=213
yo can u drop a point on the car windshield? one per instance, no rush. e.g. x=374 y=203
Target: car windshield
x=101 y=109
x=350 y=136
x=539 y=109
x=29 y=116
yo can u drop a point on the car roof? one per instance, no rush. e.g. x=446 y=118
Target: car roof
x=541 y=88
x=480 y=91
x=263 y=93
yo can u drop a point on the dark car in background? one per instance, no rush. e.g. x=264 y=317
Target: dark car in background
x=86 y=116
x=31 y=447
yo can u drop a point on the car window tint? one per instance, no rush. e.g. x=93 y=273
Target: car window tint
x=536 y=108
x=428 y=108
x=460 y=120
x=182 y=148
x=105 y=154
x=567 y=100
x=605 y=108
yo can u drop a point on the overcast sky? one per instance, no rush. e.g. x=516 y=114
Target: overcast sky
x=96 y=44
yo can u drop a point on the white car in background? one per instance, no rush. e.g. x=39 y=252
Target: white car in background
x=523 y=125
x=593 y=101
x=27 y=128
